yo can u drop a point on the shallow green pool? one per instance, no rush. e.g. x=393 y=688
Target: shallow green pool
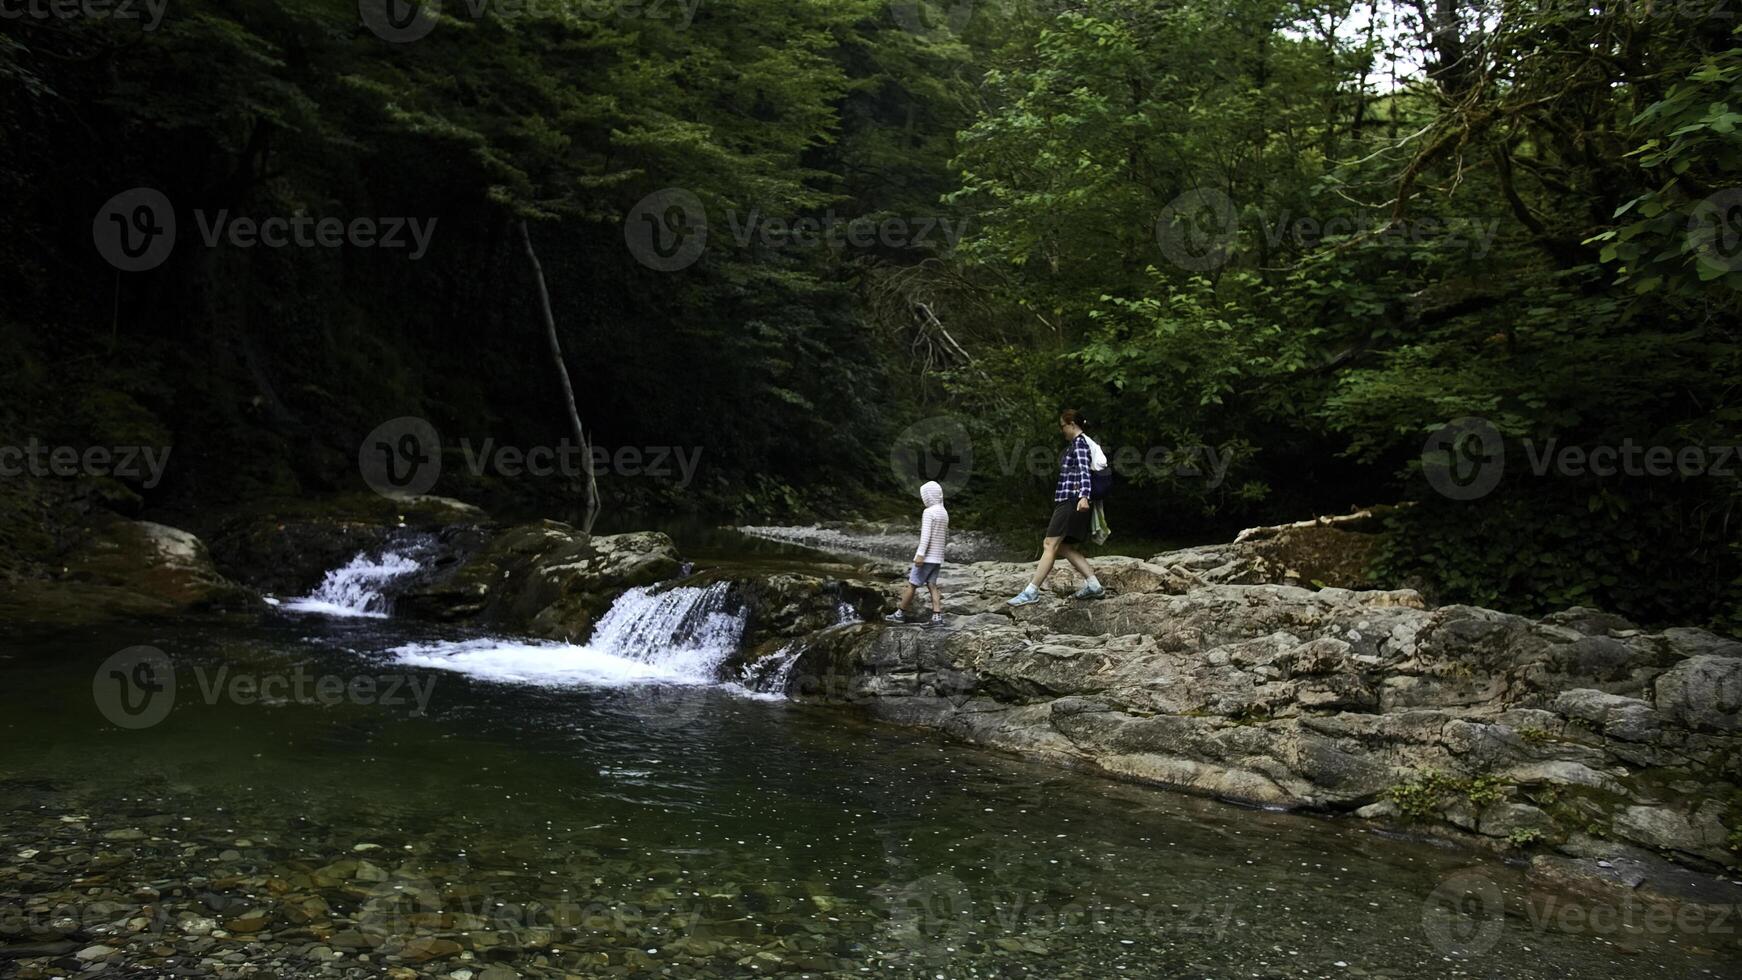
x=601 y=823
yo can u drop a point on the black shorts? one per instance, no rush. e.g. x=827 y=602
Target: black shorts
x=1069 y=523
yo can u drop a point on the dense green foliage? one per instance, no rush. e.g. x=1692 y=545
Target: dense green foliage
x=1305 y=235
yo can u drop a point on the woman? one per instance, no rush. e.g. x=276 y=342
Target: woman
x=1070 y=515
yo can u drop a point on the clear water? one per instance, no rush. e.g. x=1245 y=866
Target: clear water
x=584 y=810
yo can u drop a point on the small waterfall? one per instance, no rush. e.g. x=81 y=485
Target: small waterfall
x=676 y=637
x=358 y=588
x=690 y=629
x=772 y=673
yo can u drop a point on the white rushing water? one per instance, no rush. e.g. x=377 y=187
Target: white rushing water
x=772 y=673
x=358 y=588
x=678 y=636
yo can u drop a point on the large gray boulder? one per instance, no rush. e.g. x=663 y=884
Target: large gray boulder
x=1529 y=732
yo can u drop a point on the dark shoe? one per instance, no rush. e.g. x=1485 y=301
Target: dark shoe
x=937 y=619
x=900 y=618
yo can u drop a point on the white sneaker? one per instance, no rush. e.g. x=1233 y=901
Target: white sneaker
x=1027 y=595
x=1094 y=591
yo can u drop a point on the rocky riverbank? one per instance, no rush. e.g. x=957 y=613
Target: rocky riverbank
x=1572 y=738
x=1212 y=670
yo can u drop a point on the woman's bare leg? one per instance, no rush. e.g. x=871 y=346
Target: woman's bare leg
x=1078 y=560
x=1048 y=551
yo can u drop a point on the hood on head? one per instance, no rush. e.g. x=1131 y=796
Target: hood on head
x=932 y=493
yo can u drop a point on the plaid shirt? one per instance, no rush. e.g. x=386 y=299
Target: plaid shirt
x=1073 y=473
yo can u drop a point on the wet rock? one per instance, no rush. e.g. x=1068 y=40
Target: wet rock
x=548 y=579
x=352 y=939
x=1329 y=699
x=1704 y=693
x=422 y=950
x=285 y=547
x=1668 y=830
x=252 y=921
x=121 y=568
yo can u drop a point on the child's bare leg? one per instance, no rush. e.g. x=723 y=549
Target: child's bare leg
x=1049 y=551
x=906 y=597
x=937 y=598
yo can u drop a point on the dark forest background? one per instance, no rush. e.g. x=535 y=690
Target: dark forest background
x=1255 y=225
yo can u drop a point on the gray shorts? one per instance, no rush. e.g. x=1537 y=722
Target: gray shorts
x=926 y=574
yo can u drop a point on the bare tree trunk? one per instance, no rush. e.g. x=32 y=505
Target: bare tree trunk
x=562 y=373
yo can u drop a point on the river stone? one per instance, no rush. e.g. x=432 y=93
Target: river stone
x=352 y=939
x=1660 y=828
x=422 y=950
x=1503 y=819
x=1704 y=693
x=547 y=579
x=1628 y=719
x=253 y=921
x=123 y=568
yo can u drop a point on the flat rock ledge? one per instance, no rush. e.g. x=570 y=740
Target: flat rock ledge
x=1578 y=737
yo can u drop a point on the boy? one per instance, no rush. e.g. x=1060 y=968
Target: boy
x=928 y=558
